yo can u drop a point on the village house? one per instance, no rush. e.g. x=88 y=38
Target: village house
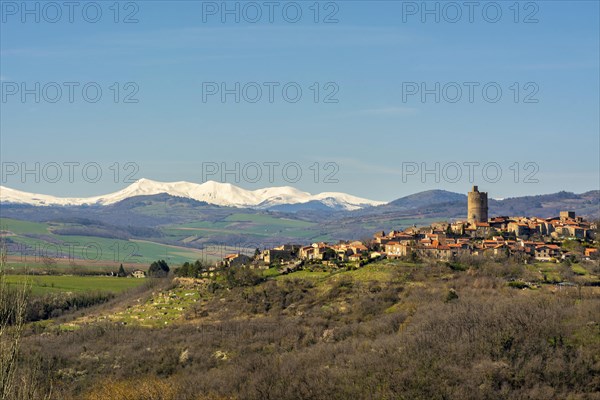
x=236 y=260
x=435 y=250
x=501 y=249
x=281 y=254
x=546 y=252
x=482 y=229
x=357 y=247
x=354 y=257
x=379 y=235
x=342 y=252
x=459 y=249
x=316 y=251
x=397 y=249
x=306 y=253
x=499 y=223
x=519 y=228
x=138 y=273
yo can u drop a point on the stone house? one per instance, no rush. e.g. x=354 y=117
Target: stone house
x=236 y=260
x=138 y=273
x=546 y=252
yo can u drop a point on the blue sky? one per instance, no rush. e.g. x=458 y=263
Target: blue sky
x=370 y=58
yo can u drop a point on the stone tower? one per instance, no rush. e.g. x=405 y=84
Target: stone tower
x=477 y=210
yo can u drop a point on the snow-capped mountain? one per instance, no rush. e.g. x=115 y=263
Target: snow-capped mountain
x=222 y=194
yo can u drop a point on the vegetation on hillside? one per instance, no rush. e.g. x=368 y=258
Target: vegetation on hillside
x=391 y=329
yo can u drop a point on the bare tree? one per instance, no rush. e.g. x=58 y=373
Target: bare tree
x=13 y=303
x=49 y=262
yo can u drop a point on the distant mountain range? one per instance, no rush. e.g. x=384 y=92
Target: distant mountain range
x=288 y=200
x=221 y=194
x=196 y=216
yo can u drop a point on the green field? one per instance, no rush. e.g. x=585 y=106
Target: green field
x=381 y=271
x=31 y=242
x=39 y=240
x=74 y=284
x=255 y=228
x=22 y=227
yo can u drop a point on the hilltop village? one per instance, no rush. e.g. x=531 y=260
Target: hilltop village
x=524 y=239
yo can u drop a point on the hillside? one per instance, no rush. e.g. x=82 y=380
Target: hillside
x=386 y=330
x=428 y=198
x=585 y=204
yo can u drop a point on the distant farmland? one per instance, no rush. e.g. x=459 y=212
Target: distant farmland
x=29 y=243
x=74 y=284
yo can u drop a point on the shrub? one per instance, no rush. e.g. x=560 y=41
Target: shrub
x=242 y=276
x=456 y=266
x=518 y=285
x=158 y=269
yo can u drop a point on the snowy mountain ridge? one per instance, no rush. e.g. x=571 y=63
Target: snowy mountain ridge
x=221 y=194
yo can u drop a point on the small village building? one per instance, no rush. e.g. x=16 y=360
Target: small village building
x=138 y=273
x=236 y=260
x=546 y=252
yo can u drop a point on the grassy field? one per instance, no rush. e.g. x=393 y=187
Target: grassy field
x=163 y=308
x=311 y=275
x=29 y=242
x=32 y=241
x=22 y=227
x=65 y=283
x=552 y=272
x=255 y=230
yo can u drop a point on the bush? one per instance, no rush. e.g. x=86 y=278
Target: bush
x=56 y=304
x=518 y=285
x=452 y=295
x=242 y=276
x=456 y=266
x=158 y=269
x=191 y=270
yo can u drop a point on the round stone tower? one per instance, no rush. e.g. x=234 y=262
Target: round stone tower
x=477 y=210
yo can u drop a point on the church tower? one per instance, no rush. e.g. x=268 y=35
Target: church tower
x=477 y=209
